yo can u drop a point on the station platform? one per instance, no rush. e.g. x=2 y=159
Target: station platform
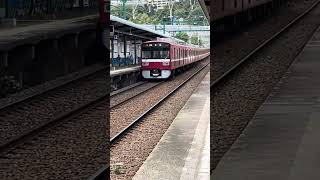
x=282 y=140
x=183 y=151
x=124 y=70
x=32 y=34
x=124 y=76
x=42 y=52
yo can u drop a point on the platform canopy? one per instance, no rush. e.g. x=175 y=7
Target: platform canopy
x=205 y=5
x=129 y=28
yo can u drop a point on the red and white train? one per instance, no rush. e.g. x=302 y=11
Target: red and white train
x=160 y=59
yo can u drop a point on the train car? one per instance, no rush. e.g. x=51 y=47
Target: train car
x=229 y=15
x=160 y=59
x=227 y=8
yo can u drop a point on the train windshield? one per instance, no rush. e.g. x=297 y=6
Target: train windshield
x=155 y=51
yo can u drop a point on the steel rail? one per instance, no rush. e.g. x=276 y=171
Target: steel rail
x=102 y=174
x=136 y=95
x=57 y=120
x=144 y=114
x=261 y=46
x=28 y=98
x=125 y=89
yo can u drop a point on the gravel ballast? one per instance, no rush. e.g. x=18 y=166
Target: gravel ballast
x=235 y=101
x=26 y=115
x=121 y=116
x=75 y=149
x=229 y=52
x=133 y=149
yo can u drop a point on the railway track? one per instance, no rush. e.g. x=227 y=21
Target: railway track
x=240 y=91
x=139 y=124
x=261 y=47
x=148 y=86
x=105 y=170
x=54 y=122
x=26 y=121
x=27 y=115
x=142 y=101
x=154 y=106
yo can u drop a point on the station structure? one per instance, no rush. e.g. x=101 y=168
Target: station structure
x=49 y=50
x=281 y=141
x=125 y=50
x=125 y=41
x=125 y=47
x=183 y=151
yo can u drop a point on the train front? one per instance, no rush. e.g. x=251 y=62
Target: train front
x=155 y=63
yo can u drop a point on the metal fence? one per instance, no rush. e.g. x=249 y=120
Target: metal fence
x=50 y=8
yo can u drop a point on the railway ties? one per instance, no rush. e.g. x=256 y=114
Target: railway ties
x=245 y=84
x=131 y=124
x=56 y=121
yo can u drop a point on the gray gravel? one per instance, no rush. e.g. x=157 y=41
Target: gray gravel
x=131 y=151
x=123 y=96
x=24 y=116
x=230 y=51
x=74 y=150
x=234 y=102
x=121 y=116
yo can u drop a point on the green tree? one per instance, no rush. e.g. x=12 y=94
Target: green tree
x=183 y=36
x=200 y=42
x=194 y=39
x=188 y=10
x=142 y=18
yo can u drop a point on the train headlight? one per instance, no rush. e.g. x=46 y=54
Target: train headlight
x=145 y=63
x=165 y=63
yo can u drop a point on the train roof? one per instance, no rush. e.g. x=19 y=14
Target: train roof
x=176 y=44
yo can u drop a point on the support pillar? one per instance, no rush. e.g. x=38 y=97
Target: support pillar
x=135 y=50
x=72 y=58
x=3 y=59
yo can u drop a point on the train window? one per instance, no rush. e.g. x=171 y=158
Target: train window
x=175 y=53
x=249 y=1
x=235 y=3
x=147 y=54
x=155 y=54
x=157 y=51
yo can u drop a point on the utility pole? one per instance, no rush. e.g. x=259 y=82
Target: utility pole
x=170 y=4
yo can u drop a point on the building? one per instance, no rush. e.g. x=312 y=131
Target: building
x=160 y=4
